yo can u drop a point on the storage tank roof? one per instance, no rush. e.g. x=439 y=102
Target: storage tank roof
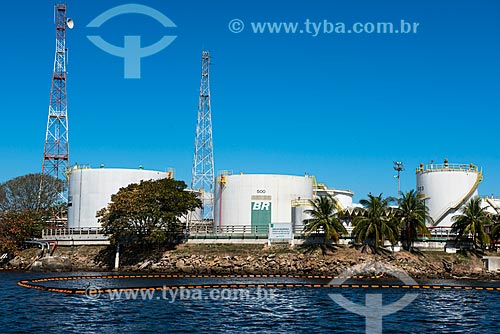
x=88 y=167
x=446 y=167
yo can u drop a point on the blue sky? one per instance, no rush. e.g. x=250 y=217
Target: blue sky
x=340 y=107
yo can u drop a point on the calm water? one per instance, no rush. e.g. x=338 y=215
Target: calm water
x=291 y=310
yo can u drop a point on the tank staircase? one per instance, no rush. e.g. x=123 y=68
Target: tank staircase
x=455 y=206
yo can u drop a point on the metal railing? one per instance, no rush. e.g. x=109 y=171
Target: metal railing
x=67 y=232
x=439 y=234
x=192 y=230
x=232 y=231
x=228 y=231
x=249 y=231
x=447 y=167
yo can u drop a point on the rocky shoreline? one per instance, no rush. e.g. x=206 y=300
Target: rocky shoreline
x=258 y=260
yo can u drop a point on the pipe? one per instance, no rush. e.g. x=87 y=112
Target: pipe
x=117 y=257
x=220 y=209
x=41 y=244
x=53 y=248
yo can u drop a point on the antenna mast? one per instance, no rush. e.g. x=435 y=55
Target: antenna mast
x=56 y=148
x=203 y=163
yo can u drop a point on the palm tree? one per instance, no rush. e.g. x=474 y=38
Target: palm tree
x=471 y=221
x=412 y=214
x=377 y=224
x=325 y=217
x=495 y=230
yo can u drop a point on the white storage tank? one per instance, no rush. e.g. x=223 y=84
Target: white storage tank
x=492 y=205
x=445 y=188
x=90 y=190
x=343 y=197
x=253 y=201
x=299 y=214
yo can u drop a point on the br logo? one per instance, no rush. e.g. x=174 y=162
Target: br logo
x=261 y=206
x=374 y=309
x=132 y=52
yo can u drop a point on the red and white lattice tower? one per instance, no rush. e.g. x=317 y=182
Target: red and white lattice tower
x=56 y=150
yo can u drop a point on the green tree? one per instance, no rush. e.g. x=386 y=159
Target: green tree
x=26 y=204
x=147 y=213
x=412 y=214
x=377 y=224
x=30 y=192
x=495 y=230
x=325 y=217
x=16 y=227
x=471 y=222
